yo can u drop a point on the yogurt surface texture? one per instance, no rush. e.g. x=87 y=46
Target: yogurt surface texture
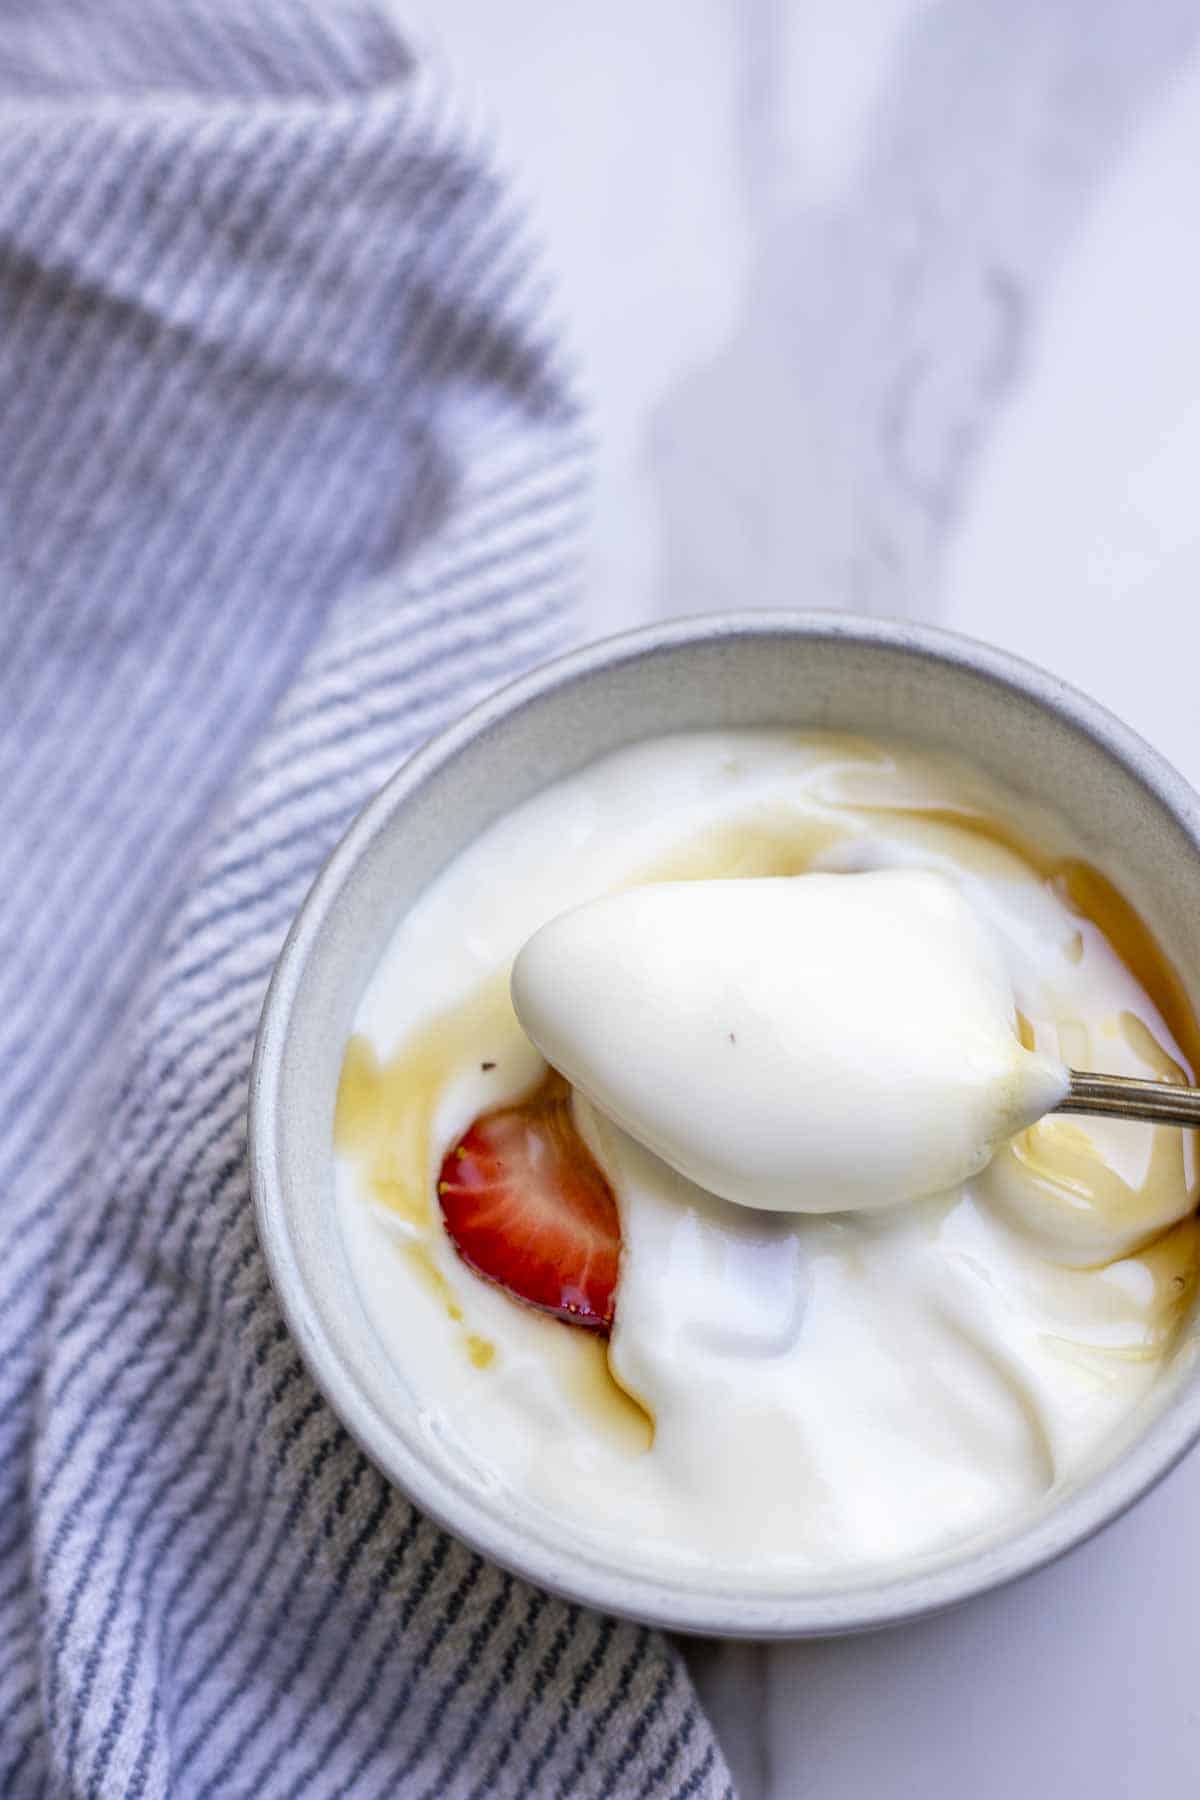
x=804 y=1395
x=815 y=1043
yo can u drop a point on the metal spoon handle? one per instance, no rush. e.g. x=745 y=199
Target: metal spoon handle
x=1123 y=1097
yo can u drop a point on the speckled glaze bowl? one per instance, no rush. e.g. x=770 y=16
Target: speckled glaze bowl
x=1138 y=817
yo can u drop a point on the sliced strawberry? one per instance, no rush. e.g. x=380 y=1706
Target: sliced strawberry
x=527 y=1206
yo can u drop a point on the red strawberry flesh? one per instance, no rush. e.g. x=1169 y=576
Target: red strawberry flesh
x=528 y=1207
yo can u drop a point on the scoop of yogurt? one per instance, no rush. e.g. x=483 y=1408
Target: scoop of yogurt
x=823 y=1043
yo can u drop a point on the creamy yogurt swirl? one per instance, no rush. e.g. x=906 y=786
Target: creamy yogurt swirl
x=787 y=1395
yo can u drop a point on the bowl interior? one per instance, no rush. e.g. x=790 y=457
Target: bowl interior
x=1138 y=819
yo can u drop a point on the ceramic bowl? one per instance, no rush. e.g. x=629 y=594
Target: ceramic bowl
x=1135 y=815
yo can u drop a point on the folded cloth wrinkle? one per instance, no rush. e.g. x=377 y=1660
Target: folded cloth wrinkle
x=292 y=471
x=106 y=50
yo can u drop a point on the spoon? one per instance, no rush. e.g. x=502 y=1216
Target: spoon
x=1126 y=1097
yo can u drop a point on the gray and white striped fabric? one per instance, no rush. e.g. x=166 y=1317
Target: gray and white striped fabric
x=290 y=474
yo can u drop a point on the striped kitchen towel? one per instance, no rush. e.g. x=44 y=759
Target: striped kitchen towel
x=290 y=474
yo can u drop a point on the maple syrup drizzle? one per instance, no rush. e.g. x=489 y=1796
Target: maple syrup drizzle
x=384 y=1112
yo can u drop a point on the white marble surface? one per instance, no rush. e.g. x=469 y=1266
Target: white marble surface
x=894 y=304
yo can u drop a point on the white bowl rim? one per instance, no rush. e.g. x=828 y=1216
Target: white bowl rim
x=862 y=1604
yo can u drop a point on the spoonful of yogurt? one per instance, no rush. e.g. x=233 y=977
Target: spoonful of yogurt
x=825 y=1043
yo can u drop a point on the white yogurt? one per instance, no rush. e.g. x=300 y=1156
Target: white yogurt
x=816 y=1044
x=831 y=1392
